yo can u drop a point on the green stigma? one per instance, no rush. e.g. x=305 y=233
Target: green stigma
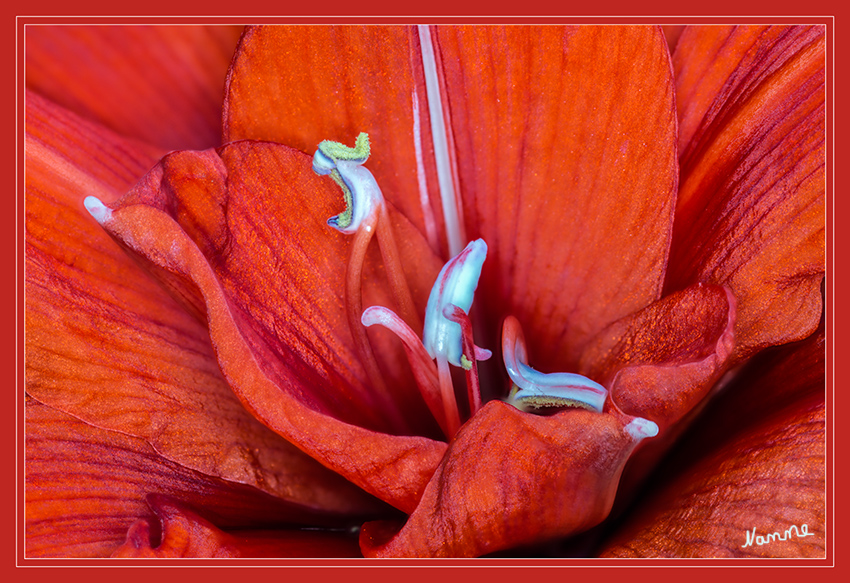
x=336 y=151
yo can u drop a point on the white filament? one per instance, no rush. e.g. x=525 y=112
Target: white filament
x=441 y=149
x=424 y=198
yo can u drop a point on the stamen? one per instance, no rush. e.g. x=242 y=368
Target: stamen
x=455 y=285
x=420 y=362
x=354 y=307
x=469 y=357
x=540 y=390
x=443 y=337
x=395 y=274
x=447 y=337
x=439 y=133
x=361 y=192
x=424 y=197
x=640 y=428
x=447 y=392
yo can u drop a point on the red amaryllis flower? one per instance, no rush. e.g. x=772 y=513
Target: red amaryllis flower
x=577 y=238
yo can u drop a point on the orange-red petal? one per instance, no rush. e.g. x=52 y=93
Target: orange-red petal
x=750 y=213
x=566 y=159
x=241 y=237
x=107 y=344
x=161 y=84
x=754 y=459
x=660 y=362
x=770 y=477
x=182 y=533
x=299 y=85
x=85 y=486
x=512 y=479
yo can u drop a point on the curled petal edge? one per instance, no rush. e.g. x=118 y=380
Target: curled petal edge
x=393 y=468
x=478 y=500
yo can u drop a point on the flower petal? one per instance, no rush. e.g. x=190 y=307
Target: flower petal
x=162 y=84
x=241 y=235
x=299 y=85
x=183 y=533
x=754 y=459
x=565 y=142
x=660 y=362
x=106 y=344
x=750 y=213
x=85 y=486
x=769 y=477
x=511 y=479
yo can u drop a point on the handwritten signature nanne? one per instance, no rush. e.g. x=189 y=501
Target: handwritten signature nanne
x=775 y=536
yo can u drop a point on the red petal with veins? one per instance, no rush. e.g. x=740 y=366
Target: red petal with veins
x=754 y=459
x=750 y=213
x=511 y=479
x=106 y=344
x=162 y=84
x=183 y=533
x=660 y=362
x=567 y=168
x=299 y=85
x=258 y=260
x=85 y=486
x=770 y=477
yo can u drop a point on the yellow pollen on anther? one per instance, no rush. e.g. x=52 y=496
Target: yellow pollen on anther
x=546 y=401
x=465 y=363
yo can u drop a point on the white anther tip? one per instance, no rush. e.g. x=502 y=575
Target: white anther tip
x=639 y=428
x=97 y=209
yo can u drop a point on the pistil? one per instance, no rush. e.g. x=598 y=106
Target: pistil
x=469 y=357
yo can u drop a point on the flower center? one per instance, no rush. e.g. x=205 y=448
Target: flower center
x=446 y=338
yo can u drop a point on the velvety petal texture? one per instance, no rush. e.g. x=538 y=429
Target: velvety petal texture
x=770 y=479
x=162 y=84
x=511 y=478
x=331 y=83
x=660 y=362
x=755 y=459
x=107 y=344
x=240 y=235
x=181 y=533
x=566 y=162
x=85 y=486
x=750 y=212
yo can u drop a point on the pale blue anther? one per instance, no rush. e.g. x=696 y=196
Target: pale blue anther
x=533 y=385
x=455 y=285
x=362 y=193
x=540 y=390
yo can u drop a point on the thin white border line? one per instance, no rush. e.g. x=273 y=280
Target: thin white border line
x=430 y=16
x=829 y=178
